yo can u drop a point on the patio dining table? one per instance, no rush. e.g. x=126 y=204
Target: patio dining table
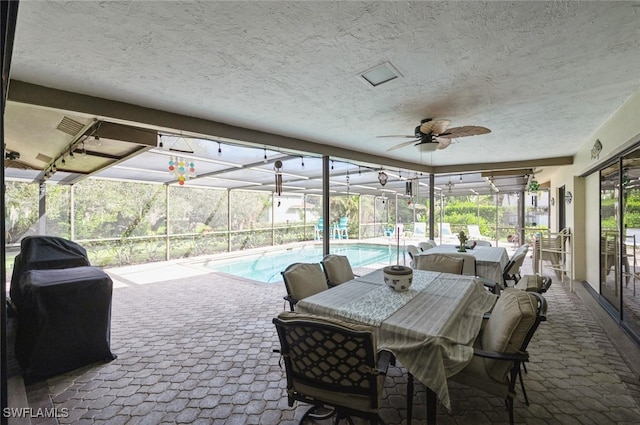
x=429 y=328
x=490 y=260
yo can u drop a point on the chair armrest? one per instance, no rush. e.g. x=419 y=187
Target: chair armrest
x=520 y=356
x=384 y=359
x=494 y=287
x=292 y=301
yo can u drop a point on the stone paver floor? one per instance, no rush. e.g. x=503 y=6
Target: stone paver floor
x=199 y=349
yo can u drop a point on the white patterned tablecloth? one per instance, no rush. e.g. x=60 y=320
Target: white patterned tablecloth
x=376 y=305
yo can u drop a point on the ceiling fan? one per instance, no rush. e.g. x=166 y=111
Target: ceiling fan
x=434 y=134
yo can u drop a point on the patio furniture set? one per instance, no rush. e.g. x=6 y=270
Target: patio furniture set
x=343 y=332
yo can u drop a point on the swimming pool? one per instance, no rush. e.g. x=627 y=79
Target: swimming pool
x=266 y=267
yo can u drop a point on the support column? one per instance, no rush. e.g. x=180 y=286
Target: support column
x=228 y=220
x=521 y=222
x=432 y=209
x=496 y=219
x=9 y=19
x=42 y=208
x=167 y=241
x=325 y=206
x=72 y=212
x=304 y=217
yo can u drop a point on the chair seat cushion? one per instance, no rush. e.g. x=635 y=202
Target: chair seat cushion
x=475 y=375
x=531 y=283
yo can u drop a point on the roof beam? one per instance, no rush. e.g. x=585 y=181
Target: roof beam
x=125 y=113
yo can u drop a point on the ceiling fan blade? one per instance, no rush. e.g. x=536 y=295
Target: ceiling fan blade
x=397 y=136
x=436 y=126
x=467 y=130
x=401 y=145
x=443 y=142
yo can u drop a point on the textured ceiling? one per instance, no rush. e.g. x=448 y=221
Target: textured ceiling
x=543 y=76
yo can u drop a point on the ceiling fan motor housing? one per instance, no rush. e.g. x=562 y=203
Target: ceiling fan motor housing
x=423 y=137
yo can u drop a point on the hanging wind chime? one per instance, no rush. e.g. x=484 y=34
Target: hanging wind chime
x=182 y=168
x=278 y=167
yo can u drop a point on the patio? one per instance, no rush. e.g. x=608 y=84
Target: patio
x=196 y=347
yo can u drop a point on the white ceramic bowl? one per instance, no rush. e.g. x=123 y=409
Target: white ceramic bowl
x=398 y=278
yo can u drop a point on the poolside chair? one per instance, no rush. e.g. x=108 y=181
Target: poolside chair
x=318 y=228
x=342 y=229
x=337 y=269
x=303 y=280
x=332 y=363
x=419 y=229
x=446 y=235
x=501 y=347
x=474 y=233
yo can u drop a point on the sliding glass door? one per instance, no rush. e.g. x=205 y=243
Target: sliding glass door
x=630 y=247
x=610 y=235
x=620 y=239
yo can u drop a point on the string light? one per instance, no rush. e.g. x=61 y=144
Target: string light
x=302 y=161
x=219 y=149
x=265 y=155
x=348 y=182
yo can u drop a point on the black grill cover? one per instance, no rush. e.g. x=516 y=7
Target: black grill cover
x=64 y=320
x=44 y=252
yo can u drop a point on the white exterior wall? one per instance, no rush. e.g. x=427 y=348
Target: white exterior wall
x=618 y=133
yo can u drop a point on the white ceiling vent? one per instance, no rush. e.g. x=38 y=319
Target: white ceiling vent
x=70 y=126
x=380 y=74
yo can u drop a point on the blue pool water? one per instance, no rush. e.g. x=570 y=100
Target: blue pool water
x=267 y=266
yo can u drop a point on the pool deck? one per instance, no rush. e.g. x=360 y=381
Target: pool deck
x=195 y=346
